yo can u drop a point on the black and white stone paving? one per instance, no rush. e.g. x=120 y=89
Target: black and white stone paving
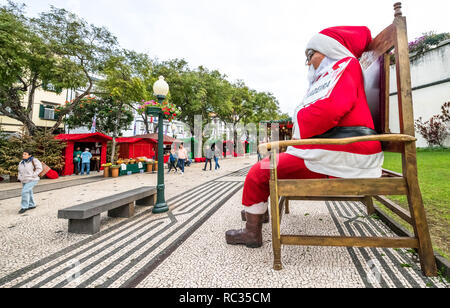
x=186 y=248
x=116 y=257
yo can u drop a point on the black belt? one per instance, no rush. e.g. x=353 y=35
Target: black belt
x=347 y=132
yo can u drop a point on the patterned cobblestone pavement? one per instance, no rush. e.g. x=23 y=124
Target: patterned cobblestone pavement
x=121 y=255
x=205 y=260
x=49 y=186
x=186 y=248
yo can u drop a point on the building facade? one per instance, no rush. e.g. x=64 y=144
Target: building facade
x=43 y=111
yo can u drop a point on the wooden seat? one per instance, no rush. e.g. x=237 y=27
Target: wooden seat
x=375 y=63
x=85 y=218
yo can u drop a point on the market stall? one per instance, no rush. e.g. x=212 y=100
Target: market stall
x=97 y=143
x=132 y=147
x=168 y=142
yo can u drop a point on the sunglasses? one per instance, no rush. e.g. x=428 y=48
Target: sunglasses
x=309 y=54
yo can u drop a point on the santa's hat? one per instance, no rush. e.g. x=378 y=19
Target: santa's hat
x=341 y=42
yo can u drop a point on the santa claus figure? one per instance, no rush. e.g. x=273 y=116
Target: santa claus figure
x=335 y=106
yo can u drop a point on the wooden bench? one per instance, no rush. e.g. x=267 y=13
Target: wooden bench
x=85 y=218
x=376 y=66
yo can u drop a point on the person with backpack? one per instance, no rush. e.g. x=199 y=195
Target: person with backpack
x=209 y=156
x=173 y=159
x=29 y=170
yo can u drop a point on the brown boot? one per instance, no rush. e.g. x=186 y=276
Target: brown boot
x=266 y=217
x=251 y=236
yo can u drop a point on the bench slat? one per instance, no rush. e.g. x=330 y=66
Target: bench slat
x=95 y=207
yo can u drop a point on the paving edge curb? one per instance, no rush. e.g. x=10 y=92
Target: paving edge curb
x=442 y=263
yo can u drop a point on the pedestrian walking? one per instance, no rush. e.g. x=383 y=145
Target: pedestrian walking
x=29 y=170
x=86 y=162
x=182 y=157
x=173 y=159
x=216 y=153
x=209 y=156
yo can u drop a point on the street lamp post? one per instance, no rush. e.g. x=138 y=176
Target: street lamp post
x=161 y=89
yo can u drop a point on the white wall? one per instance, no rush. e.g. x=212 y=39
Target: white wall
x=431 y=67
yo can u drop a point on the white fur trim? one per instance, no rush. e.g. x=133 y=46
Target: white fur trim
x=329 y=47
x=341 y=164
x=257 y=209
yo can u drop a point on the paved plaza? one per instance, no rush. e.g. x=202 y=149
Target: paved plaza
x=186 y=246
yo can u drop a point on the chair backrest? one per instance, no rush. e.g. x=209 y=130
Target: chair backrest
x=376 y=66
x=374 y=79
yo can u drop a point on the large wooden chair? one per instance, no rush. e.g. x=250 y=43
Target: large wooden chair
x=376 y=64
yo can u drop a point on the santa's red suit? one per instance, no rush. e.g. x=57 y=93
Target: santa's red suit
x=336 y=98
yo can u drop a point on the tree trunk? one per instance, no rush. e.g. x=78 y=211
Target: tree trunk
x=119 y=116
x=113 y=150
x=75 y=103
x=147 y=128
x=30 y=128
x=29 y=124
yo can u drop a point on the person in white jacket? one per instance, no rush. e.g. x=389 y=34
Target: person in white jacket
x=29 y=170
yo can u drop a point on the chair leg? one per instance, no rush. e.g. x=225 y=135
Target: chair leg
x=421 y=231
x=286 y=204
x=368 y=202
x=276 y=218
x=418 y=215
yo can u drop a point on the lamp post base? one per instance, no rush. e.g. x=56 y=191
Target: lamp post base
x=160 y=208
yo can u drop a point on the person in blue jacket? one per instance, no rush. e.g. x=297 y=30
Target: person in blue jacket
x=86 y=162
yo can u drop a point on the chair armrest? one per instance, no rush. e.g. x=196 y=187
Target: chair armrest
x=383 y=138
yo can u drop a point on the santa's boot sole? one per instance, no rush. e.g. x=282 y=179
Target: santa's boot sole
x=250 y=245
x=239 y=242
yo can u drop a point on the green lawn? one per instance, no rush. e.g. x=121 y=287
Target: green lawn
x=434 y=179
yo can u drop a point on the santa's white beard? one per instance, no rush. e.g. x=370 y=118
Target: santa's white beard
x=325 y=65
x=311 y=74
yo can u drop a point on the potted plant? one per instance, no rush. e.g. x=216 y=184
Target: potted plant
x=106 y=168
x=149 y=167
x=115 y=171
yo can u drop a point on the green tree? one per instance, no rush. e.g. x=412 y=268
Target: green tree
x=44 y=146
x=27 y=63
x=126 y=86
x=56 y=51
x=105 y=110
x=86 y=47
x=265 y=108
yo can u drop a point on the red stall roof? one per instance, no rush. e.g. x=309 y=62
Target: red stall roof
x=130 y=140
x=79 y=137
x=154 y=138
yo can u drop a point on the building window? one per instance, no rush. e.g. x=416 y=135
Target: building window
x=47 y=112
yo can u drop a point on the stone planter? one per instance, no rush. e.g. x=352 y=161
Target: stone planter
x=115 y=172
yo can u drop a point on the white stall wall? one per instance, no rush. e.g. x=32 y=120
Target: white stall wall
x=432 y=67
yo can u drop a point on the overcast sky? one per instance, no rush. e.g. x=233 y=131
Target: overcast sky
x=259 y=41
